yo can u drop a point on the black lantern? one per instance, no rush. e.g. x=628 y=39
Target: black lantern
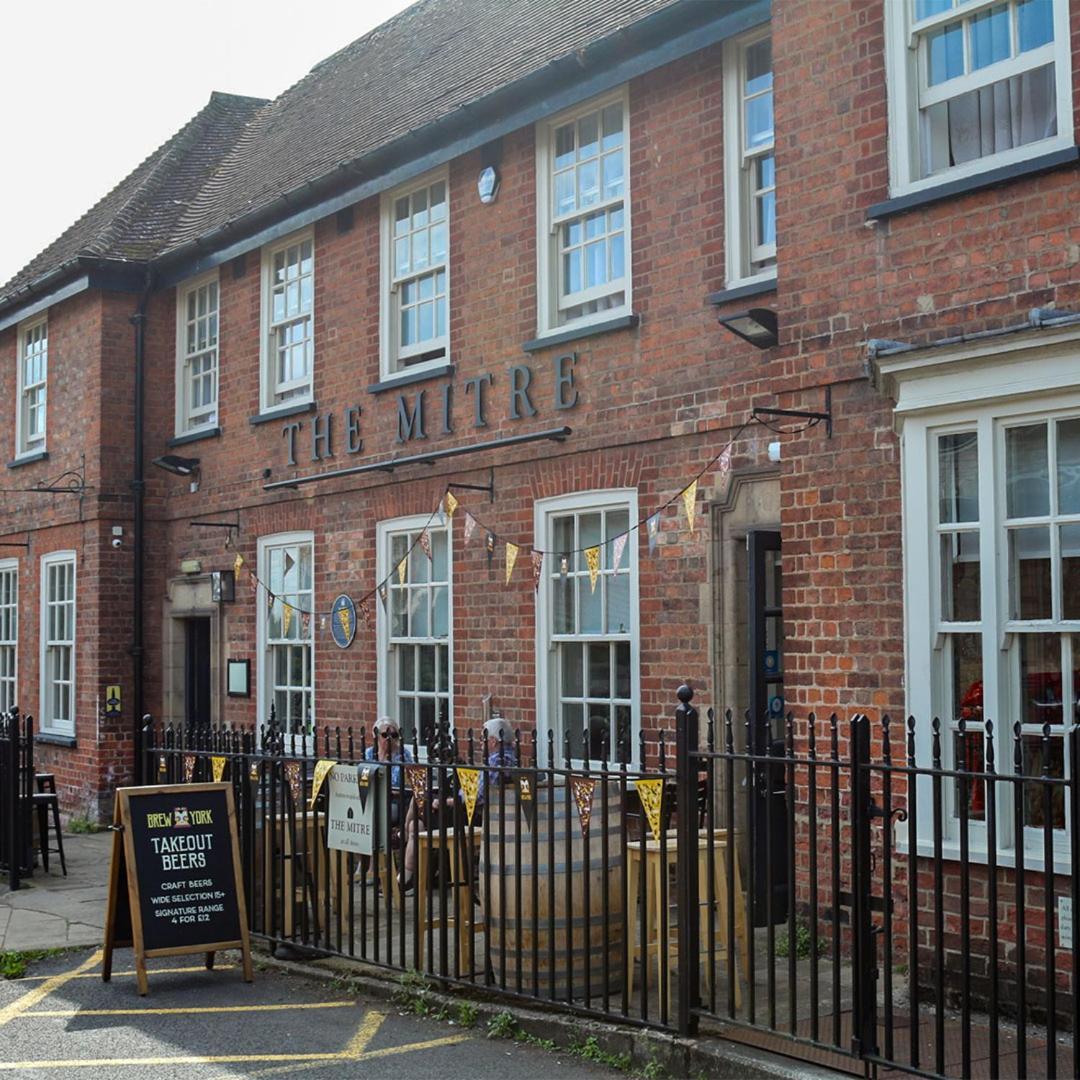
x=222 y=586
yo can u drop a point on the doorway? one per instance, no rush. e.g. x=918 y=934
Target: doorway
x=197 y=698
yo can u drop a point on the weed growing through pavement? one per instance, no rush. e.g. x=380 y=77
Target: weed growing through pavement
x=13 y=965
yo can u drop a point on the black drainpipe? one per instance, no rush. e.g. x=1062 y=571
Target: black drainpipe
x=138 y=488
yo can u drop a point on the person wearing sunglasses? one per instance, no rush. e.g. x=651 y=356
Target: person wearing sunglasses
x=387 y=746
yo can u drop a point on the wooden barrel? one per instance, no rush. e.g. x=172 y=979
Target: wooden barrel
x=571 y=936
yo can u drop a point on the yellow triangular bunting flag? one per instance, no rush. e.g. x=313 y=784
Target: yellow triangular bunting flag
x=651 y=793
x=402 y=570
x=416 y=776
x=592 y=558
x=511 y=558
x=286 y=618
x=450 y=503
x=469 y=779
x=292 y=775
x=322 y=771
x=217 y=768
x=189 y=767
x=238 y=563
x=689 y=501
x=583 y=788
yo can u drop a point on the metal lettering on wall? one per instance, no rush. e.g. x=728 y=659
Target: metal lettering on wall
x=430 y=411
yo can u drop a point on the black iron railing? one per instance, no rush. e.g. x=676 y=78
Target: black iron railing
x=16 y=795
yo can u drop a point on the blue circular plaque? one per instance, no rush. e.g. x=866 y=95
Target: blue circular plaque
x=343 y=621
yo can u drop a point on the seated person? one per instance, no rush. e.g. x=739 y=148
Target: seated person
x=501 y=754
x=387 y=747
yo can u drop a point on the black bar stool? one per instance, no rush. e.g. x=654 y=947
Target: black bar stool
x=45 y=798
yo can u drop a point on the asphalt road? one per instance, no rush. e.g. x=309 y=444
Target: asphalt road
x=63 y=1021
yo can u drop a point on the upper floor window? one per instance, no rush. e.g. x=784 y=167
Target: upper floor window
x=9 y=633
x=33 y=385
x=583 y=215
x=58 y=643
x=975 y=84
x=749 y=159
x=288 y=321
x=197 y=354
x=415 y=271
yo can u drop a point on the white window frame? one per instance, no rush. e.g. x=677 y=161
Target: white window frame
x=24 y=446
x=739 y=252
x=46 y=722
x=547 y=694
x=547 y=225
x=265 y=674
x=394 y=360
x=903 y=59
x=208 y=417
x=9 y=673
x=271 y=391
x=985 y=387
x=385 y=567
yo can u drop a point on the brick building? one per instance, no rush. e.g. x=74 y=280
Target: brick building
x=488 y=246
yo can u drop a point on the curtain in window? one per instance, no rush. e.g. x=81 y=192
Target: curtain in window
x=994 y=118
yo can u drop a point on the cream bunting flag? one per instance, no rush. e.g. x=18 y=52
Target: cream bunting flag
x=238 y=564
x=217 y=768
x=653 y=527
x=725 y=462
x=450 y=503
x=592 y=558
x=651 y=793
x=322 y=771
x=382 y=594
x=253 y=773
x=425 y=543
x=402 y=570
x=617 y=546
x=162 y=765
x=583 y=788
x=538 y=568
x=292 y=775
x=416 y=778
x=689 y=501
x=365 y=613
x=469 y=779
x=305 y=623
x=511 y=558
x=470 y=525
x=564 y=565
x=189 y=767
x=286 y=618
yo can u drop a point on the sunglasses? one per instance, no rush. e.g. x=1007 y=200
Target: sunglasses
x=388 y=735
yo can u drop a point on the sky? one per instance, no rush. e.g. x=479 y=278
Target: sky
x=94 y=88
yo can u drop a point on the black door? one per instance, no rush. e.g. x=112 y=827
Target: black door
x=768 y=816
x=197 y=672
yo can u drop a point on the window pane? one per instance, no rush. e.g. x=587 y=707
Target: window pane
x=925 y=8
x=418 y=613
x=1035 y=23
x=398 y=618
x=969 y=749
x=1070 y=573
x=570 y=655
x=440 y=612
x=1068 y=466
x=958 y=477
x=961 y=579
x=967 y=677
x=427 y=667
x=599 y=670
x=945 y=54
x=407 y=676
x=759 y=121
x=563 y=589
x=589 y=535
x=990 y=37
x=1039 y=797
x=564 y=146
x=618 y=602
x=622 y=670
x=573 y=725
x=443 y=652
x=588 y=135
x=613 y=126
x=1027 y=475
x=599 y=730
x=759 y=67
x=1040 y=678
x=1029 y=575
x=589 y=601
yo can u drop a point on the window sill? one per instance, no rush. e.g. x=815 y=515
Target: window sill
x=949 y=189
x=43 y=738
x=1006 y=859
x=29 y=459
x=195 y=436
x=561 y=337
x=271 y=415
x=407 y=378
x=743 y=292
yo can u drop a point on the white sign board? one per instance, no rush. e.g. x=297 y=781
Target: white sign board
x=350 y=819
x=1065 y=926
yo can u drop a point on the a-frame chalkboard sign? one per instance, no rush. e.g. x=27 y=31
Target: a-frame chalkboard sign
x=175 y=885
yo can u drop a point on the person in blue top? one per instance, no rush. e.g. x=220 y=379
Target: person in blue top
x=387 y=747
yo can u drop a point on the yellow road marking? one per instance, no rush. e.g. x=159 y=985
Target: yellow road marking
x=49 y=986
x=131 y=974
x=191 y=1009
x=357 y=1045
x=388 y=1051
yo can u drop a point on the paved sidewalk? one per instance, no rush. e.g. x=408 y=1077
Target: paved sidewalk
x=52 y=911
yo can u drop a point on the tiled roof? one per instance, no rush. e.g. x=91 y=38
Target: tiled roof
x=134 y=221
x=241 y=155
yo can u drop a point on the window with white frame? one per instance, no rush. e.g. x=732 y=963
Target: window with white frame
x=288 y=321
x=415 y=276
x=33 y=371
x=9 y=633
x=197 y=354
x=975 y=84
x=992 y=570
x=749 y=159
x=415 y=638
x=587 y=633
x=58 y=643
x=583 y=215
x=287 y=631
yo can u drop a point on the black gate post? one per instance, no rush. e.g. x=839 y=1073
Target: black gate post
x=13 y=801
x=686 y=743
x=863 y=945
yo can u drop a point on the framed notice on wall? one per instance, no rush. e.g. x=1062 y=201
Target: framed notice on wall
x=239 y=672
x=175 y=885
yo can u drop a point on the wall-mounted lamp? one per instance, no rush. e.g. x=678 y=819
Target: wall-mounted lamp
x=759 y=326
x=222 y=586
x=178 y=466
